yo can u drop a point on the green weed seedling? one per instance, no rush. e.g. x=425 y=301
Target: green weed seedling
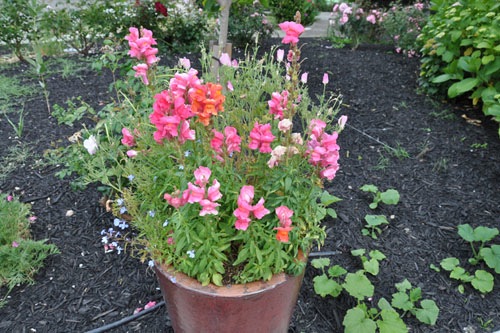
x=481 y=280
x=385 y=316
x=389 y=197
x=72 y=113
x=373 y=223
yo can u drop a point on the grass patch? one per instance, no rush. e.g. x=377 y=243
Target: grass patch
x=16 y=156
x=20 y=256
x=11 y=90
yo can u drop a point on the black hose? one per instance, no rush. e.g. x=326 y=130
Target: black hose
x=126 y=319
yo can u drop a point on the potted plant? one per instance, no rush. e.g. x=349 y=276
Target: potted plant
x=223 y=179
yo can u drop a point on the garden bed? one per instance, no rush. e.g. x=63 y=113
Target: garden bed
x=444 y=159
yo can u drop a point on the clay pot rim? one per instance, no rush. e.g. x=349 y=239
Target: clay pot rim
x=232 y=290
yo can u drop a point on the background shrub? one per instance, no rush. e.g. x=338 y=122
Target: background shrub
x=284 y=10
x=248 y=22
x=461 y=52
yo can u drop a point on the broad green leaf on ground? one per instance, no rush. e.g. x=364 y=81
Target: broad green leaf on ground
x=415 y=294
x=375 y=220
x=355 y=321
x=403 y=285
x=459 y=273
x=390 y=197
x=358 y=285
x=428 y=313
x=449 y=263
x=401 y=301
x=358 y=252
x=485 y=234
x=491 y=256
x=391 y=322
x=320 y=263
x=336 y=271
x=466 y=232
x=369 y=188
x=384 y=304
x=324 y=286
x=371 y=266
x=482 y=281
x=376 y=254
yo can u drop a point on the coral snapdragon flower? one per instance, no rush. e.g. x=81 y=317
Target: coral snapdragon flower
x=292 y=32
x=128 y=139
x=206 y=101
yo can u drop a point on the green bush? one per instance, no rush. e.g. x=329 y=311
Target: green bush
x=248 y=23
x=20 y=24
x=284 y=10
x=461 y=52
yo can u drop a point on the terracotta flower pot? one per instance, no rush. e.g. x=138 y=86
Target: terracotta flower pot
x=253 y=307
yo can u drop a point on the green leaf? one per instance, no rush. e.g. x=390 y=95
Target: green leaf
x=428 y=313
x=403 y=285
x=484 y=234
x=434 y=268
x=384 y=304
x=371 y=266
x=459 y=273
x=358 y=252
x=376 y=254
x=369 y=188
x=217 y=279
x=328 y=199
x=358 y=285
x=450 y=263
x=391 y=322
x=320 y=263
x=466 y=232
x=336 y=271
x=375 y=220
x=482 y=281
x=441 y=78
x=324 y=286
x=460 y=87
x=332 y=213
x=355 y=321
x=491 y=256
x=415 y=294
x=390 y=197
x=400 y=300
x=373 y=205
x=487 y=59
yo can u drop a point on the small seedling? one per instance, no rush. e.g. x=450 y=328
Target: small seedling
x=479 y=145
x=327 y=199
x=389 y=197
x=373 y=223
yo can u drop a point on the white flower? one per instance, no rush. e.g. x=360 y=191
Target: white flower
x=91 y=145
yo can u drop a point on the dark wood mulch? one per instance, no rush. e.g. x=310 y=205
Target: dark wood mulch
x=444 y=182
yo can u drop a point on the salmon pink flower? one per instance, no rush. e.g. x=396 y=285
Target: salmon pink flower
x=292 y=32
x=261 y=138
x=141 y=71
x=284 y=215
x=176 y=199
x=245 y=208
x=201 y=175
x=128 y=138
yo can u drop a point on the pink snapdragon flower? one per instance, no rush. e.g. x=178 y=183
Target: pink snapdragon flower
x=342 y=121
x=232 y=142
x=285 y=125
x=140 y=46
x=323 y=150
x=371 y=18
x=284 y=215
x=278 y=104
x=292 y=32
x=201 y=175
x=245 y=209
x=261 y=138
x=325 y=78
x=141 y=70
x=176 y=199
x=128 y=139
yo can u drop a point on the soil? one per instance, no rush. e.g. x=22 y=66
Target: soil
x=451 y=176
